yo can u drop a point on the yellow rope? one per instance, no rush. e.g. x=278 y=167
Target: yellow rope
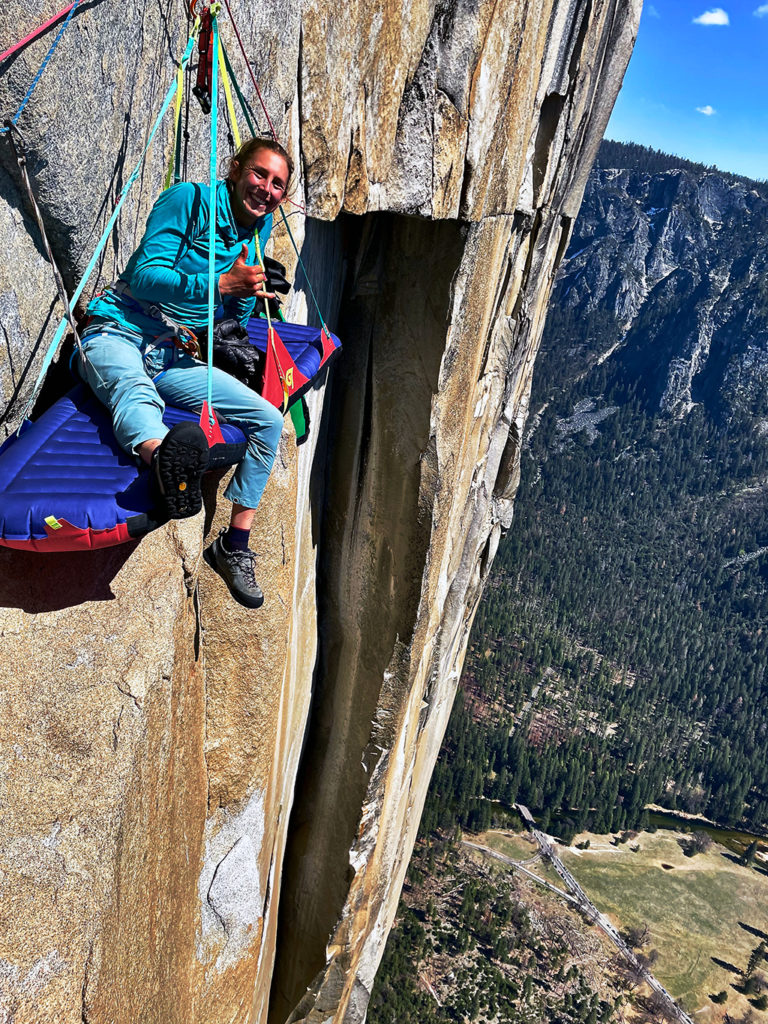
x=176 y=127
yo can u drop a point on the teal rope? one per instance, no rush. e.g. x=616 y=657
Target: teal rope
x=54 y=346
x=43 y=66
x=303 y=267
x=212 y=215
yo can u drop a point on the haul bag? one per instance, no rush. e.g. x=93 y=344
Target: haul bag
x=66 y=484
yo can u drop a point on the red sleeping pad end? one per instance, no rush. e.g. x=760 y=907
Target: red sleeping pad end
x=280 y=369
x=66 y=537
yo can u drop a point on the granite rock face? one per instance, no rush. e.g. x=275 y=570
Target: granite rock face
x=208 y=813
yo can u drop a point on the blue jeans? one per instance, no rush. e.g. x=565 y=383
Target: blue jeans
x=134 y=380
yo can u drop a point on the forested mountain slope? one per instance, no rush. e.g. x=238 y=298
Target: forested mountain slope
x=619 y=652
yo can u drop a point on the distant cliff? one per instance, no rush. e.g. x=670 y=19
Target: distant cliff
x=621 y=628
x=678 y=259
x=202 y=805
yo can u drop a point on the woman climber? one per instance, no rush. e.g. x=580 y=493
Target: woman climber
x=139 y=347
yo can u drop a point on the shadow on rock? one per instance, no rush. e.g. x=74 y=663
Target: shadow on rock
x=47 y=583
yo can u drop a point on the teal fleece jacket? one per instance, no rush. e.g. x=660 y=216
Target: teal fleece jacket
x=170 y=266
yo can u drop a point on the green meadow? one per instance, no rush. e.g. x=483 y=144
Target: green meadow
x=695 y=908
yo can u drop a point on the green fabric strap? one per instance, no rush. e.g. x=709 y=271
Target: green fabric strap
x=243 y=103
x=297 y=411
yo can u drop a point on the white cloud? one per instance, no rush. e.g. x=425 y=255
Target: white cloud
x=707 y=111
x=653 y=13
x=761 y=11
x=717 y=16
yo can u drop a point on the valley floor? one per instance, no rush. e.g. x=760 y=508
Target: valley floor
x=705 y=914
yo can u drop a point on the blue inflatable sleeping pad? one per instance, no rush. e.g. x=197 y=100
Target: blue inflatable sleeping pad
x=65 y=483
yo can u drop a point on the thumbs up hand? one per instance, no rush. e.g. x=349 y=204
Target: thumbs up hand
x=243 y=280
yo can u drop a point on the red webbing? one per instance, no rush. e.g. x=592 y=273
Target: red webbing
x=250 y=72
x=37 y=32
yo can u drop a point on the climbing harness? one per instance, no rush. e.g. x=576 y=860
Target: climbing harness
x=183 y=338
x=14 y=119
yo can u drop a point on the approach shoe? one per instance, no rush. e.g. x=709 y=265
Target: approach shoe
x=236 y=569
x=178 y=464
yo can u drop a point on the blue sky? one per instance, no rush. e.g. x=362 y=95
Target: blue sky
x=697 y=84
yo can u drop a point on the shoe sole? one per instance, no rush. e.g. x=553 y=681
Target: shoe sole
x=210 y=559
x=181 y=462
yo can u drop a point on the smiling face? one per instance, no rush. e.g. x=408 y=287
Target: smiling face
x=259 y=186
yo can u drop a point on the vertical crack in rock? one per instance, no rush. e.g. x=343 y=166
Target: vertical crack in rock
x=300 y=72
x=549 y=123
x=84 y=988
x=376 y=540
x=198 y=637
x=229 y=885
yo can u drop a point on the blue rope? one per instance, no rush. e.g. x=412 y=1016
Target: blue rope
x=38 y=76
x=54 y=346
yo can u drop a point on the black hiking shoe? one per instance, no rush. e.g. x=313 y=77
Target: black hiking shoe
x=236 y=569
x=178 y=465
